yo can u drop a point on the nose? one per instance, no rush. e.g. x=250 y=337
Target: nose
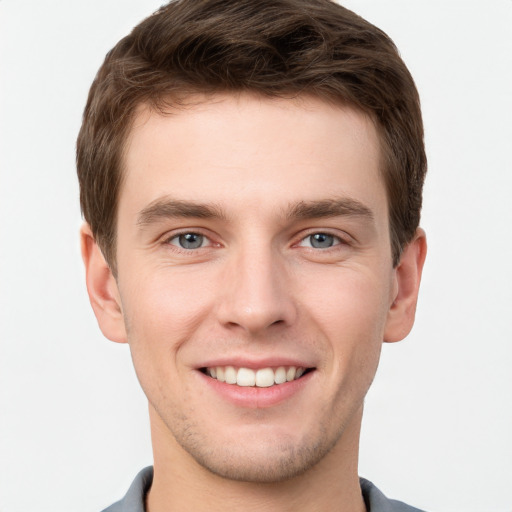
x=257 y=292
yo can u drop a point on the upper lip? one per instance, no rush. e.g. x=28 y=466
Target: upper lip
x=255 y=363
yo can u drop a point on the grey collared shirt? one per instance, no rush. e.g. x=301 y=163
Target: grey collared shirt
x=134 y=499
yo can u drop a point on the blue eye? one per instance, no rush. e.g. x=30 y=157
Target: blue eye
x=188 y=240
x=320 y=241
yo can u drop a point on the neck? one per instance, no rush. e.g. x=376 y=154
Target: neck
x=180 y=483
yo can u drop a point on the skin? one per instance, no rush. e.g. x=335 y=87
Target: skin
x=255 y=291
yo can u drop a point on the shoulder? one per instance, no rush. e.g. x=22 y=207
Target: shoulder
x=133 y=500
x=376 y=501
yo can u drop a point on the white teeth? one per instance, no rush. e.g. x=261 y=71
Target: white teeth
x=265 y=378
x=280 y=375
x=261 y=378
x=246 y=377
x=230 y=375
x=290 y=374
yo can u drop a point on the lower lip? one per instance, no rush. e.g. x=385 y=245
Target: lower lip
x=254 y=397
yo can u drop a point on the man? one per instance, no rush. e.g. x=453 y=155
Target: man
x=251 y=178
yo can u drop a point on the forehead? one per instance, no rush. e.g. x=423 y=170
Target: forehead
x=243 y=150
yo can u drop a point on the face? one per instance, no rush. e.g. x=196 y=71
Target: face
x=255 y=278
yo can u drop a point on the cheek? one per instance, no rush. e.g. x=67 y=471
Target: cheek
x=161 y=312
x=351 y=311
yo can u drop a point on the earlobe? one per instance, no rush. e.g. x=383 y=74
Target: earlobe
x=102 y=289
x=406 y=286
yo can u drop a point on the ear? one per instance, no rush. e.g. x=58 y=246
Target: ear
x=406 y=285
x=102 y=289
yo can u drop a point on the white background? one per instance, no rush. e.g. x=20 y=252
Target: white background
x=73 y=421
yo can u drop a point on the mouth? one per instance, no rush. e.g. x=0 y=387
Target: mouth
x=260 y=377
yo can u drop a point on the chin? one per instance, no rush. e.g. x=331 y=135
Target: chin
x=267 y=460
x=266 y=468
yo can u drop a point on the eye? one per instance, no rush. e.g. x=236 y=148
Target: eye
x=320 y=241
x=189 y=241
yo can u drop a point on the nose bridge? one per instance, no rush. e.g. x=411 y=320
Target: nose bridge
x=256 y=294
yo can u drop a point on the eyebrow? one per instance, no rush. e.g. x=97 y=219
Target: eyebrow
x=335 y=207
x=165 y=208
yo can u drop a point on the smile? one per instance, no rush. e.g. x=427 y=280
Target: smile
x=261 y=378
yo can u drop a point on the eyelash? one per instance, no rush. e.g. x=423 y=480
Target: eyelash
x=337 y=241
x=176 y=236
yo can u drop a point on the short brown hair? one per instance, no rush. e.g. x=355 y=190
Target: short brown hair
x=277 y=48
